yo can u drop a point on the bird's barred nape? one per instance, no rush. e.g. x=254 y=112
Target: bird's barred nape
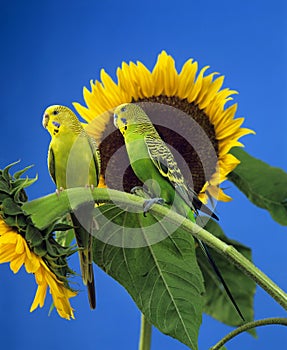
x=200 y=167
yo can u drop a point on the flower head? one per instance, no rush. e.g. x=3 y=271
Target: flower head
x=21 y=243
x=14 y=250
x=197 y=95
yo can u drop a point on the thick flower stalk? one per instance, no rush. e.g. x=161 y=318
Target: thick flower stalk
x=21 y=243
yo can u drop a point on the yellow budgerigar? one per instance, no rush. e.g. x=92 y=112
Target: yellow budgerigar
x=74 y=161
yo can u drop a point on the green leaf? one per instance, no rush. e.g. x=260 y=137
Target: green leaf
x=163 y=278
x=264 y=185
x=217 y=303
x=137 y=268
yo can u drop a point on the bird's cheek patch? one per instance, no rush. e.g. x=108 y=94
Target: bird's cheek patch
x=56 y=128
x=56 y=124
x=124 y=121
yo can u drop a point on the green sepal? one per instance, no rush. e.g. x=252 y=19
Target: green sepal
x=4 y=186
x=41 y=252
x=19 y=222
x=65 y=238
x=13 y=185
x=33 y=236
x=19 y=173
x=41 y=242
x=9 y=207
x=5 y=172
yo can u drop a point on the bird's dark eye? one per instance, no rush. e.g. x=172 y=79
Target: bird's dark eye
x=123 y=109
x=55 y=112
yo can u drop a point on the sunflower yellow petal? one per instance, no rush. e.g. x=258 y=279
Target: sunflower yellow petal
x=186 y=78
x=83 y=111
x=158 y=74
x=212 y=91
x=205 y=88
x=40 y=297
x=225 y=147
x=7 y=255
x=217 y=193
x=197 y=85
x=170 y=77
x=229 y=129
x=125 y=80
x=32 y=265
x=144 y=83
x=17 y=263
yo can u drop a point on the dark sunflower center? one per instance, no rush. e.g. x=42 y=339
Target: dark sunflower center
x=183 y=126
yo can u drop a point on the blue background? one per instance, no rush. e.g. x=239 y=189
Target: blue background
x=51 y=49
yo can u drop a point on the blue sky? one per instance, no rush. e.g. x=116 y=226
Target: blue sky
x=51 y=49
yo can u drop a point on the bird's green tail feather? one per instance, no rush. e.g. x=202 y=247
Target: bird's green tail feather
x=212 y=263
x=84 y=242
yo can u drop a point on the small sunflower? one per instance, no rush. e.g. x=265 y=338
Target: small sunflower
x=14 y=249
x=195 y=94
x=22 y=243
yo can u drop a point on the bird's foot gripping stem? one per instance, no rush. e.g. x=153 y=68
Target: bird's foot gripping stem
x=58 y=191
x=91 y=187
x=150 y=202
x=141 y=191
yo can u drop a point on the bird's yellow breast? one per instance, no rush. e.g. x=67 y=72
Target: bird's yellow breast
x=73 y=161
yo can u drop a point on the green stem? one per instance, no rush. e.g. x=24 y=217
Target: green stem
x=145 y=335
x=237 y=259
x=246 y=327
x=70 y=199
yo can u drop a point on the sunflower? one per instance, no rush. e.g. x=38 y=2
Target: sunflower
x=167 y=94
x=14 y=249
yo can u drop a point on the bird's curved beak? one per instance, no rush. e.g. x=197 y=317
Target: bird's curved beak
x=45 y=120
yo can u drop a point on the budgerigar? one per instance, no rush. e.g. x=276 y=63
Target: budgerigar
x=155 y=166
x=74 y=161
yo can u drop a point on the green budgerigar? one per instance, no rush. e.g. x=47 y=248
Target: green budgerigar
x=74 y=161
x=155 y=166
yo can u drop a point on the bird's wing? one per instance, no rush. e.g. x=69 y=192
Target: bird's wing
x=51 y=163
x=166 y=164
x=164 y=161
x=96 y=155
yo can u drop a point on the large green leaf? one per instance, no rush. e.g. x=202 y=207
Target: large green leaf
x=155 y=261
x=163 y=278
x=264 y=185
x=150 y=256
x=217 y=303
